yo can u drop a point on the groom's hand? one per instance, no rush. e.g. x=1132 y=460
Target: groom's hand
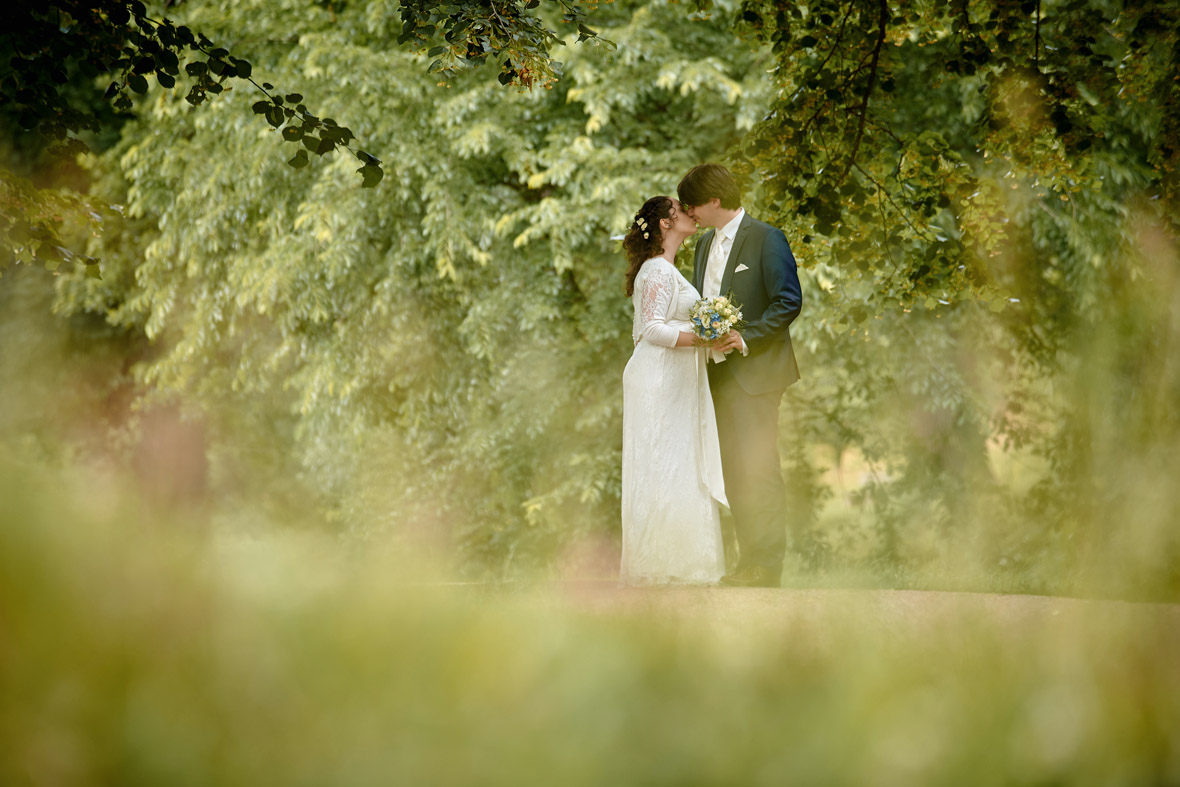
x=728 y=342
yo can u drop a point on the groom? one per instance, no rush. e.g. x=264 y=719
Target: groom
x=751 y=260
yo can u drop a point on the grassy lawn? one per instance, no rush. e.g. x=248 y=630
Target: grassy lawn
x=135 y=651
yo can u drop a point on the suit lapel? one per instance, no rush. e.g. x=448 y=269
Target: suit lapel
x=702 y=259
x=734 y=252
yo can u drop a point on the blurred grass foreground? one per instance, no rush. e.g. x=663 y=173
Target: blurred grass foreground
x=135 y=651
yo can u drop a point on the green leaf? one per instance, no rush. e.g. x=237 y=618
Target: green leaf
x=294 y=98
x=167 y=58
x=371 y=175
x=437 y=50
x=165 y=80
x=337 y=134
x=29 y=120
x=243 y=67
x=137 y=83
x=299 y=160
x=261 y=107
x=292 y=133
x=195 y=69
x=325 y=146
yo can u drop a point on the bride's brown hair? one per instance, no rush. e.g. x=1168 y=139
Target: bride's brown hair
x=645 y=238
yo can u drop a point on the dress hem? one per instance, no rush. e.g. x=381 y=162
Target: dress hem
x=647 y=582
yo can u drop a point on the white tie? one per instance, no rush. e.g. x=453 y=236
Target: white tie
x=715 y=267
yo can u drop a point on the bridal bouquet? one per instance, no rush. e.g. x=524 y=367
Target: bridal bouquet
x=713 y=317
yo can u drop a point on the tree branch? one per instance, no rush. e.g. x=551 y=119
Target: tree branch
x=1037 y=41
x=864 y=105
x=887 y=130
x=820 y=67
x=881 y=190
x=839 y=38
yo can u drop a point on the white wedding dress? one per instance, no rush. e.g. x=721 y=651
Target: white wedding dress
x=672 y=479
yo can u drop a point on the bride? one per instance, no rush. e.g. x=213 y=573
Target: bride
x=672 y=479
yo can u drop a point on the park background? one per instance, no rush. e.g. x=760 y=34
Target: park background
x=260 y=420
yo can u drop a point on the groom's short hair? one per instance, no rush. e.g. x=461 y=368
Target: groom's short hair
x=706 y=181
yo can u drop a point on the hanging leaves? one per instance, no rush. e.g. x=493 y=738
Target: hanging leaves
x=121 y=39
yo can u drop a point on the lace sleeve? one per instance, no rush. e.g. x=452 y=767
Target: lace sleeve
x=658 y=289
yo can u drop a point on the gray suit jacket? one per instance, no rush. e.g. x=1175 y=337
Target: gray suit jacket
x=767 y=289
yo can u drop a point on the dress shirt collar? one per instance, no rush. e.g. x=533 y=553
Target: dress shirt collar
x=730 y=229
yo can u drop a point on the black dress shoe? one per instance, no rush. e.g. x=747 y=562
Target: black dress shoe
x=753 y=577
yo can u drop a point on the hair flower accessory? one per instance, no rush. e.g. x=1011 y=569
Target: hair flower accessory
x=641 y=223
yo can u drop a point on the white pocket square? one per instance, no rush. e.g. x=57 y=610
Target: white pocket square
x=741 y=268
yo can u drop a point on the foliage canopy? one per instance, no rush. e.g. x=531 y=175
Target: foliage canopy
x=51 y=47
x=982 y=200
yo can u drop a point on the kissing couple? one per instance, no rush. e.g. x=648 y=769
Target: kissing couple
x=700 y=419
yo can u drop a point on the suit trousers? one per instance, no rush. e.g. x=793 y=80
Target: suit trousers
x=747 y=427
